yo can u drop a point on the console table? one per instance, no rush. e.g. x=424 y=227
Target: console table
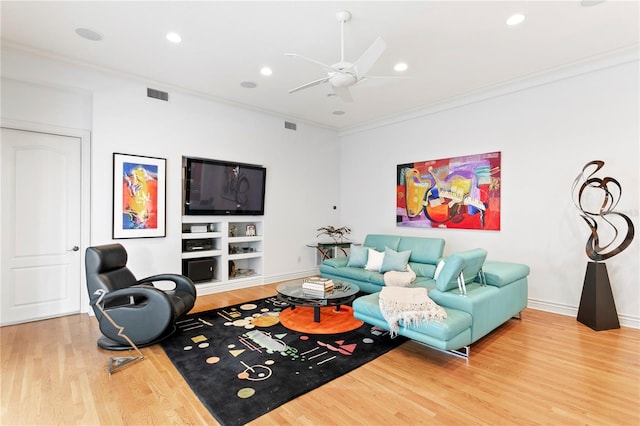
x=330 y=250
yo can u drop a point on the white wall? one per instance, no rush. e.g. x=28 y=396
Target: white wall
x=546 y=133
x=302 y=171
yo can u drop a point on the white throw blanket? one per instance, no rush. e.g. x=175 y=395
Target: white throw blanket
x=399 y=278
x=409 y=305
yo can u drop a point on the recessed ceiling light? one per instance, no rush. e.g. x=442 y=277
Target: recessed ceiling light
x=174 y=37
x=400 y=66
x=338 y=113
x=249 y=84
x=266 y=71
x=89 y=34
x=515 y=19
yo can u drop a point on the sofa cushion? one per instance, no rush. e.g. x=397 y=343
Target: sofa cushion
x=456 y=322
x=395 y=260
x=335 y=262
x=422 y=269
x=357 y=256
x=380 y=241
x=374 y=260
x=500 y=274
x=357 y=274
x=376 y=278
x=425 y=282
x=423 y=250
x=448 y=277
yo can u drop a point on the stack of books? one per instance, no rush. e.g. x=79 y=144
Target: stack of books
x=317 y=286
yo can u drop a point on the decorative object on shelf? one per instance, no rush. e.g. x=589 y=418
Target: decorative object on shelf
x=250 y=230
x=139 y=196
x=458 y=192
x=336 y=234
x=232 y=230
x=198 y=229
x=232 y=269
x=244 y=272
x=597 y=199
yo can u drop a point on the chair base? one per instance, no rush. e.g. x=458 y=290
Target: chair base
x=111 y=345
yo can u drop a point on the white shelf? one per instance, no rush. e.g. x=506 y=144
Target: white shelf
x=197 y=235
x=244 y=239
x=245 y=255
x=223 y=244
x=204 y=253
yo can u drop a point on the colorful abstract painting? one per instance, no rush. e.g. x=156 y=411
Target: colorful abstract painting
x=458 y=192
x=138 y=196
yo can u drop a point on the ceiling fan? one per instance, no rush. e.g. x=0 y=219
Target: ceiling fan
x=343 y=74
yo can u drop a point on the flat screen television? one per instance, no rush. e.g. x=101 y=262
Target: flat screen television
x=214 y=187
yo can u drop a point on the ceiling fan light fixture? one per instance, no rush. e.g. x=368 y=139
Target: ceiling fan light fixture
x=400 y=66
x=515 y=19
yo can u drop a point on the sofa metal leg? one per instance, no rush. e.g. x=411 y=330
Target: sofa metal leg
x=518 y=316
x=463 y=352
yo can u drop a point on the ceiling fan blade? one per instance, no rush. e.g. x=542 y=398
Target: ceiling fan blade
x=369 y=57
x=310 y=84
x=344 y=93
x=313 y=61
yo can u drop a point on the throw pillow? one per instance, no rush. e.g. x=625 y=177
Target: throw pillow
x=394 y=260
x=374 y=260
x=438 y=269
x=357 y=256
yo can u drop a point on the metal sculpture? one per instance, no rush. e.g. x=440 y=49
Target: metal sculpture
x=595 y=249
x=597 y=306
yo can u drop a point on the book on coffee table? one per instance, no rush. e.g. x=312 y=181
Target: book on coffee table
x=317 y=284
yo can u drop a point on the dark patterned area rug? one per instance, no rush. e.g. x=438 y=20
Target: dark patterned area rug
x=242 y=363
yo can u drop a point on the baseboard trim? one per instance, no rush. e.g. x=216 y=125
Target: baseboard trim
x=291 y=276
x=572 y=311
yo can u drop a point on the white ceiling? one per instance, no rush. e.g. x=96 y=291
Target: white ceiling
x=453 y=48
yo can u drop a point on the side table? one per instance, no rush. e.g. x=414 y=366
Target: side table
x=330 y=250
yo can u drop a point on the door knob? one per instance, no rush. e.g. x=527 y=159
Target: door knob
x=75 y=248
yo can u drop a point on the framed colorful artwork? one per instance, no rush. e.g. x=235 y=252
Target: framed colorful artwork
x=458 y=192
x=139 y=196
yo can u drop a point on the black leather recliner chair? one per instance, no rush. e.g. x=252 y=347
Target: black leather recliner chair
x=148 y=314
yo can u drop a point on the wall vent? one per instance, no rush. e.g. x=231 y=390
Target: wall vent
x=290 y=126
x=157 y=94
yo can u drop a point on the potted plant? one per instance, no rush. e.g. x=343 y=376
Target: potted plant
x=336 y=234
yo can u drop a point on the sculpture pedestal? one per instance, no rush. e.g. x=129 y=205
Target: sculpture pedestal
x=597 y=307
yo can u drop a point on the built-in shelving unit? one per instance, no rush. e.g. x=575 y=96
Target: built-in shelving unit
x=222 y=252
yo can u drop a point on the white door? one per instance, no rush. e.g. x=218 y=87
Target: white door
x=40 y=225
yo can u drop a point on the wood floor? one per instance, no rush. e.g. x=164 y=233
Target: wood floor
x=543 y=369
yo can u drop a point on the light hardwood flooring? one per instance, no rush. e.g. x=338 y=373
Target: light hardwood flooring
x=544 y=369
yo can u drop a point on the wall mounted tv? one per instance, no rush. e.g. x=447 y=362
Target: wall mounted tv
x=214 y=187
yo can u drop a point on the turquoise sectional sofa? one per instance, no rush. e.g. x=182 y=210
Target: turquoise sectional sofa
x=493 y=292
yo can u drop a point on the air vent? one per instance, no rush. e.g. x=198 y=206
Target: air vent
x=157 y=94
x=290 y=126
